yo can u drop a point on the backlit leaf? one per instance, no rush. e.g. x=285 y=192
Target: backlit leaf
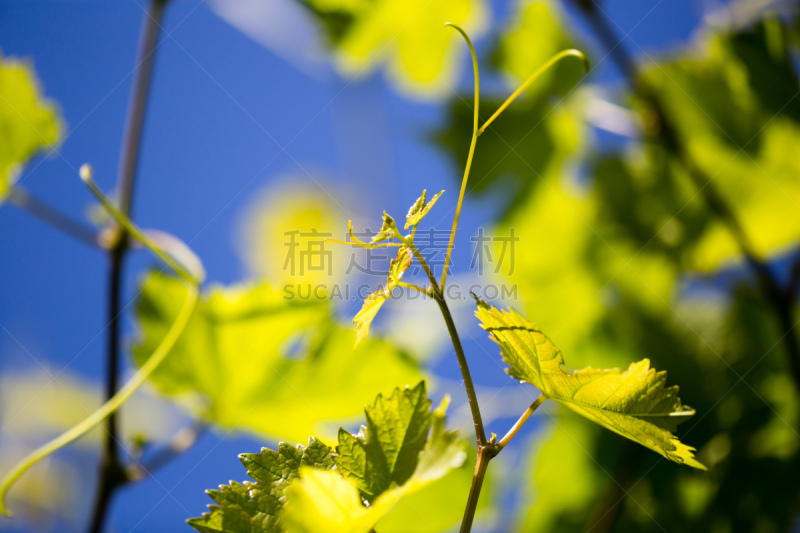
x=420 y=208
x=387 y=231
x=374 y=301
x=324 y=501
x=635 y=404
x=406 y=35
x=302 y=489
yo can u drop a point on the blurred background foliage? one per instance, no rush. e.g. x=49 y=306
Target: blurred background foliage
x=661 y=219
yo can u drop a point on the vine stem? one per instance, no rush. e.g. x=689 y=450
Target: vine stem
x=486 y=449
x=112 y=405
x=781 y=300
x=485 y=454
x=112 y=475
x=438 y=295
x=480 y=432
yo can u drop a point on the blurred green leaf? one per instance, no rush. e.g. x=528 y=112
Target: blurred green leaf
x=28 y=121
x=635 y=403
x=564 y=480
x=253 y=507
x=407 y=35
x=250 y=358
x=734 y=110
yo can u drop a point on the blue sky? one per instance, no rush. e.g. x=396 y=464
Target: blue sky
x=227 y=117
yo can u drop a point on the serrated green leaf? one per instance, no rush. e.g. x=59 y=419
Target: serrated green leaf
x=372 y=303
x=407 y=443
x=385 y=452
x=635 y=403
x=324 y=501
x=254 y=507
x=253 y=360
x=29 y=122
x=420 y=208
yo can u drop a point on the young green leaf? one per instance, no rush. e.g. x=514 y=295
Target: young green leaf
x=254 y=507
x=635 y=403
x=374 y=301
x=302 y=489
x=388 y=229
x=386 y=450
x=418 y=211
x=395 y=435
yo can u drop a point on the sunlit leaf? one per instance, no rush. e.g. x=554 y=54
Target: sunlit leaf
x=301 y=489
x=28 y=122
x=635 y=403
x=405 y=35
x=374 y=301
x=387 y=231
x=251 y=358
x=395 y=435
x=396 y=431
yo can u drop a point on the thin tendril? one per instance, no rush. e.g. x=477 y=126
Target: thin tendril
x=474 y=140
x=541 y=70
x=111 y=405
x=136 y=233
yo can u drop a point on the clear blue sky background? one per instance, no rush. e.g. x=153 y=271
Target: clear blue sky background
x=206 y=152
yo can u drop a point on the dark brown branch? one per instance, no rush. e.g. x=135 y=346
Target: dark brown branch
x=112 y=473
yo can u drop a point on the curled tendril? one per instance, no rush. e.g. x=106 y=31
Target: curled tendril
x=538 y=72
x=192 y=280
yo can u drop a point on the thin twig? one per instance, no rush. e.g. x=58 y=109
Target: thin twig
x=54 y=218
x=182 y=441
x=112 y=474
